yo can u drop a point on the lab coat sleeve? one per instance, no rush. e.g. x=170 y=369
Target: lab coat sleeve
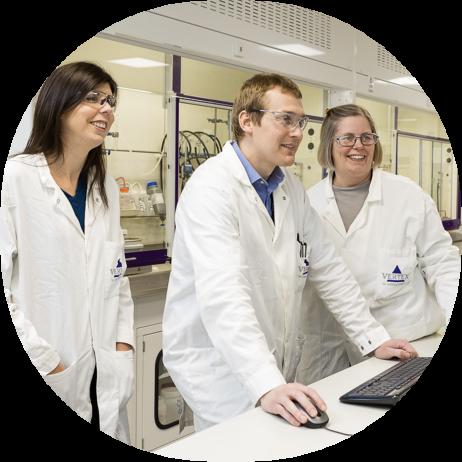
x=339 y=290
x=125 y=332
x=41 y=353
x=210 y=230
x=438 y=259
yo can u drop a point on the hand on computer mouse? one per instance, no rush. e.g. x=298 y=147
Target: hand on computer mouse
x=318 y=421
x=280 y=400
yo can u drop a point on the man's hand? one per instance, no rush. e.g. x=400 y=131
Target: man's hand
x=280 y=401
x=395 y=348
x=59 y=368
x=120 y=346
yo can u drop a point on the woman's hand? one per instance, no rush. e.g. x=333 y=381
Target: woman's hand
x=120 y=346
x=59 y=368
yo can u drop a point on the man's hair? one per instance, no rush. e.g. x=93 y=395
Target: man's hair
x=251 y=97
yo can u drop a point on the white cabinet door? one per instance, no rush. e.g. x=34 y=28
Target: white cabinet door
x=158 y=415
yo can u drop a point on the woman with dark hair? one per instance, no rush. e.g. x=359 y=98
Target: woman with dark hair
x=62 y=250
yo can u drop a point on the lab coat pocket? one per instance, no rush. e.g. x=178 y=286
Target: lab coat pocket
x=114 y=268
x=72 y=384
x=125 y=364
x=395 y=272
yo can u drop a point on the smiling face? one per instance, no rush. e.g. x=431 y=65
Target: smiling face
x=353 y=165
x=271 y=143
x=88 y=123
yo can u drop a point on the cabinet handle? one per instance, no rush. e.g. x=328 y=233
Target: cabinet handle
x=130 y=258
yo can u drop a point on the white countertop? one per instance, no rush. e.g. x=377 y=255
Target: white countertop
x=257 y=435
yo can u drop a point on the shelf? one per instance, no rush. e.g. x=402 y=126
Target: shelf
x=139 y=216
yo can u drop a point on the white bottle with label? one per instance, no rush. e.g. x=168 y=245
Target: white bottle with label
x=156 y=199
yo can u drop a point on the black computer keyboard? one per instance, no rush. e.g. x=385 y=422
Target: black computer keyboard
x=390 y=386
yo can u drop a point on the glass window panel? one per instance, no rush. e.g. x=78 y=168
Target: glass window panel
x=382 y=114
x=211 y=81
x=312 y=99
x=222 y=83
x=306 y=166
x=409 y=158
x=203 y=132
x=427 y=166
x=421 y=122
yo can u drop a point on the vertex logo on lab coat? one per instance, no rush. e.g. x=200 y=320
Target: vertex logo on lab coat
x=396 y=277
x=117 y=271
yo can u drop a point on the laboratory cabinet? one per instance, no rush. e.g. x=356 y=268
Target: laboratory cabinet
x=153 y=408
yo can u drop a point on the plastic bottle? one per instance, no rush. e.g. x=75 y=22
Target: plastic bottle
x=156 y=198
x=124 y=198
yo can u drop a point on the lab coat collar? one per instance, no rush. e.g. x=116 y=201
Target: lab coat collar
x=94 y=203
x=333 y=213
x=61 y=201
x=280 y=195
x=375 y=188
x=236 y=167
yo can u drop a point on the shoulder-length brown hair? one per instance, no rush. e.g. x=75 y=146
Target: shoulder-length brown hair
x=61 y=92
x=329 y=127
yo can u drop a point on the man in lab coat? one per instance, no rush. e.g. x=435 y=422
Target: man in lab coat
x=246 y=239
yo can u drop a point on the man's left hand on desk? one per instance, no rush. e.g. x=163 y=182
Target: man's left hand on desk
x=395 y=348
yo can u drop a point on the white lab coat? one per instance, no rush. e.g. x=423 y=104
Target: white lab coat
x=398 y=226
x=66 y=292
x=231 y=327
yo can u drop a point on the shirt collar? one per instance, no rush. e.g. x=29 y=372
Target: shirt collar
x=274 y=179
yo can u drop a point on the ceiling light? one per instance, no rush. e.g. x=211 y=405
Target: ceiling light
x=405 y=81
x=138 y=62
x=135 y=89
x=299 y=49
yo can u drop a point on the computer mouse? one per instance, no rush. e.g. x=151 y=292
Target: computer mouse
x=313 y=422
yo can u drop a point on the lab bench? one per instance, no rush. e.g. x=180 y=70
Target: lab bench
x=257 y=435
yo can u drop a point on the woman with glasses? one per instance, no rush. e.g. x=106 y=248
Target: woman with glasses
x=390 y=235
x=62 y=250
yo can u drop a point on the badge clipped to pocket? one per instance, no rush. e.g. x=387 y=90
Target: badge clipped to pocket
x=303 y=263
x=303 y=267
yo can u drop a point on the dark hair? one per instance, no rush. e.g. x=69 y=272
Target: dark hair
x=329 y=127
x=251 y=96
x=61 y=92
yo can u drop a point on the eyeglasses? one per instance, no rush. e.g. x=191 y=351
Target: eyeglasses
x=287 y=119
x=367 y=139
x=99 y=98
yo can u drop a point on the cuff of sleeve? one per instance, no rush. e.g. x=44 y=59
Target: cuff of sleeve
x=264 y=380
x=369 y=341
x=125 y=335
